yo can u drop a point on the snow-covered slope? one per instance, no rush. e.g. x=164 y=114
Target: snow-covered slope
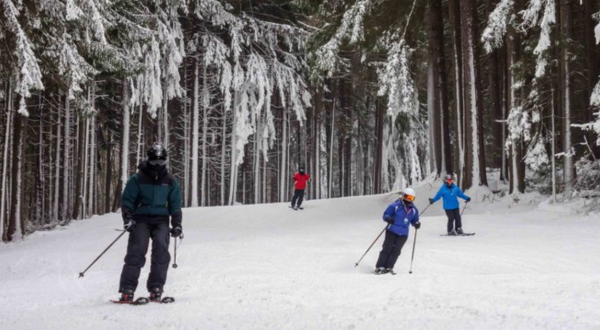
x=270 y=267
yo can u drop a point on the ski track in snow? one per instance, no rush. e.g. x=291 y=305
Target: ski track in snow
x=269 y=267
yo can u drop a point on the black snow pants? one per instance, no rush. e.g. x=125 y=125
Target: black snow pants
x=392 y=246
x=298 y=196
x=454 y=221
x=139 y=239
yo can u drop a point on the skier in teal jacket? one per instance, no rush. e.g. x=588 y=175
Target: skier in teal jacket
x=150 y=198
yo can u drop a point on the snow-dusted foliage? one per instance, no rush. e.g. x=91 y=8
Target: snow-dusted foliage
x=403 y=148
x=395 y=80
x=498 y=22
x=536 y=156
x=256 y=60
x=351 y=29
x=531 y=18
x=28 y=75
x=595 y=97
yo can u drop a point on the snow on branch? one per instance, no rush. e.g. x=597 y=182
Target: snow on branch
x=351 y=27
x=73 y=66
x=531 y=19
x=595 y=97
x=494 y=33
x=395 y=80
x=29 y=76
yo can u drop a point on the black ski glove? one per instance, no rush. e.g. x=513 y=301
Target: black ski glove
x=417 y=225
x=468 y=199
x=390 y=220
x=176 y=231
x=431 y=201
x=129 y=225
x=127 y=215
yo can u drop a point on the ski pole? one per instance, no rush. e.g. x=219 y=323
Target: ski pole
x=413 y=251
x=175 y=254
x=361 y=258
x=415 y=242
x=101 y=254
x=463 y=210
x=425 y=209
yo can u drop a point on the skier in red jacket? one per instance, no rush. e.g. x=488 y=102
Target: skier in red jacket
x=300 y=180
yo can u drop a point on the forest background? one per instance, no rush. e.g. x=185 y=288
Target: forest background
x=369 y=95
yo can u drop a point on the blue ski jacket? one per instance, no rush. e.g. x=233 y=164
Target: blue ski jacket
x=450 y=195
x=404 y=216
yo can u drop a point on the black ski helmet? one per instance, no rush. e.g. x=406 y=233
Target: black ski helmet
x=157 y=151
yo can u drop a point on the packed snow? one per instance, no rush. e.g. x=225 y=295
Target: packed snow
x=531 y=265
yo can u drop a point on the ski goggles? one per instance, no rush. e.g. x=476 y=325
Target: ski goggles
x=409 y=198
x=160 y=162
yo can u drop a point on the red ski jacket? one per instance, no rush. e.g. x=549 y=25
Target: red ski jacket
x=300 y=180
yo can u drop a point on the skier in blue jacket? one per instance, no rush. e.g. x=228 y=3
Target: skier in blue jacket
x=450 y=193
x=400 y=215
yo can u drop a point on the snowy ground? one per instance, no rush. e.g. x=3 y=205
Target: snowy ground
x=529 y=266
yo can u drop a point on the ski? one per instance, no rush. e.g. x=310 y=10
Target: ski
x=165 y=300
x=465 y=234
x=137 y=302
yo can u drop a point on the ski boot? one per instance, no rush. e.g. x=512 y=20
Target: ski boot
x=380 y=271
x=452 y=233
x=459 y=231
x=390 y=271
x=156 y=294
x=126 y=296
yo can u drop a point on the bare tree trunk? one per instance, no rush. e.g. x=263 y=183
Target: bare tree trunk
x=139 y=154
x=223 y=151
x=195 y=133
x=475 y=161
x=15 y=228
x=205 y=105
x=125 y=136
x=86 y=166
x=92 y=177
x=256 y=162
x=165 y=109
x=234 y=165
x=78 y=210
x=284 y=144
x=455 y=23
x=330 y=171
x=55 y=215
x=65 y=215
x=41 y=178
x=5 y=162
x=316 y=174
x=379 y=125
x=514 y=97
x=565 y=54
x=437 y=92
x=108 y=178
x=494 y=81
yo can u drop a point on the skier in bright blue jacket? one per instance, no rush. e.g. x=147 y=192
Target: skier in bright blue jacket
x=400 y=215
x=450 y=193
